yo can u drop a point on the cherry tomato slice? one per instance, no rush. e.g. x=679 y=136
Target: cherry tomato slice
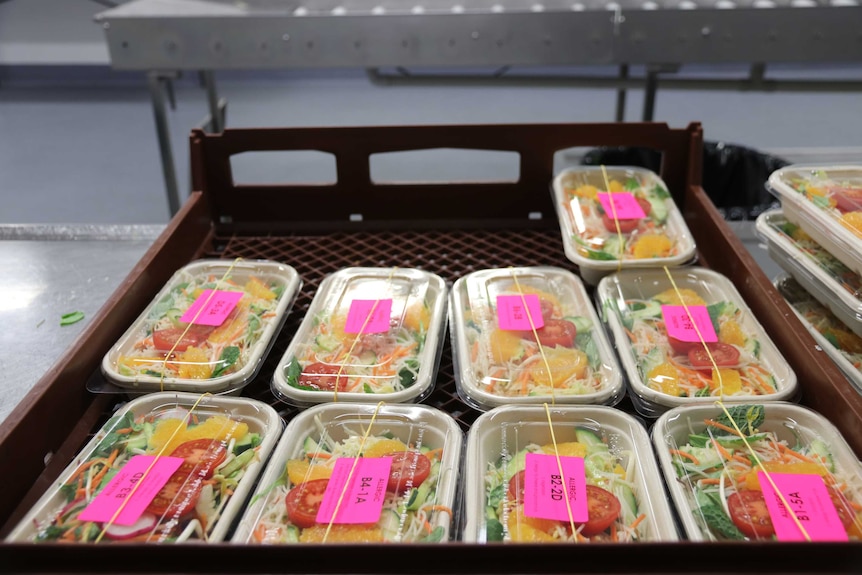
x=626 y=225
x=202 y=456
x=178 y=497
x=516 y=487
x=555 y=332
x=303 y=502
x=847 y=199
x=680 y=347
x=603 y=507
x=749 y=513
x=645 y=205
x=548 y=310
x=322 y=377
x=724 y=354
x=167 y=339
x=409 y=469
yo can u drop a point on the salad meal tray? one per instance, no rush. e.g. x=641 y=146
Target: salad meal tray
x=359 y=222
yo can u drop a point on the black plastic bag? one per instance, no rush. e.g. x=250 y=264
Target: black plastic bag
x=734 y=177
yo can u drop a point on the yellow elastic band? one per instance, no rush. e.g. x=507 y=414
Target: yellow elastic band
x=763 y=469
x=535 y=335
x=562 y=478
x=146 y=472
x=358 y=335
x=697 y=330
x=350 y=474
x=191 y=323
x=616 y=220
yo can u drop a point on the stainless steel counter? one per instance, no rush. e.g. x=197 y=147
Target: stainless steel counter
x=49 y=271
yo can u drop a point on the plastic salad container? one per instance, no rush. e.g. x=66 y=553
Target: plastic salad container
x=827 y=202
x=651 y=233
x=378 y=332
x=498 y=358
x=672 y=370
x=183 y=463
x=842 y=345
x=720 y=492
x=625 y=497
x=207 y=330
x=827 y=279
x=410 y=499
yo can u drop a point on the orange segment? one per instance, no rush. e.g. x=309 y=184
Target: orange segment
x=689 y=296
x=384 y=446
x=664 y=378
x=802 y=468
x=569 y=449
x=853 y=222
x=565 y=363
x=417 y=317
x=194 y=363
x=162 y=435
x=730 y=381
x=525 y=529
x=217 y=427
x=258 y=289
x=300 y=471
x=652 y=246
x=505 y=346
x=731 y=333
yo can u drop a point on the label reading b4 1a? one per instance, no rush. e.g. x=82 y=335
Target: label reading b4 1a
x=361 y=497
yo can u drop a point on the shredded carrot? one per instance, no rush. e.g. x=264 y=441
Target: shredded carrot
x=637 y=521
x=742 y=459
x=713 y=423
x=435 y=453
x=686 y=455
x=854 y=505
x=428 y=527
x=724 y=453
x=124 y=430
x=474 y=353
x=710 y=481
x=442 y=508
x=795 y=454
x=614 y=532
x=318 y=454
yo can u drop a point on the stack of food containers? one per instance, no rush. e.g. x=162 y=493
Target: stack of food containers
x=619 y=218
x=833 y=336
x=733 y=473
x=370 y=334
x=834 y=283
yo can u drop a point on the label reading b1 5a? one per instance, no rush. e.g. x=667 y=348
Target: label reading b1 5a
x=809 y=501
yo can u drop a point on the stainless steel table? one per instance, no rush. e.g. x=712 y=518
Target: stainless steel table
x=49 y=271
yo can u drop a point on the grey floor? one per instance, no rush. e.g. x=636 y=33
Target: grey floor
x=78 y=145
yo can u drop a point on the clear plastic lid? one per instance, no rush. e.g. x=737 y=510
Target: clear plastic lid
x=183 y=463
x=208 y=330
x=842 y=345
x=716 y=478
x=410 y=500
x=619 y=471
x=498 y=358
x=831 y=282
x=591 y=238
x=826 y=200
x=378 y=332
x=672 y=370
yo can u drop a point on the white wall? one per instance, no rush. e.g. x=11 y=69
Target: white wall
x=39 y=32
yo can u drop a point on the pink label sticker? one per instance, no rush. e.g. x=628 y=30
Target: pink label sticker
x=511 y=314
x=545 y=489
x=679 y=324
x=625 y=204
x=360 y=309
x=119 y=489
x=363 y=496
x=809 y=500
x=213 y=310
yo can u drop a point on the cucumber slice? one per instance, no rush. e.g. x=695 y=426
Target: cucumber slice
x=390 y=524
x=582 y=324
x=291 y=534
x=327 y=342
x=589 y=438
x=819 y=447
x=311 y=446
x=174 y=315
x=517 y=463
x=628 y=500
x=419 y=496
